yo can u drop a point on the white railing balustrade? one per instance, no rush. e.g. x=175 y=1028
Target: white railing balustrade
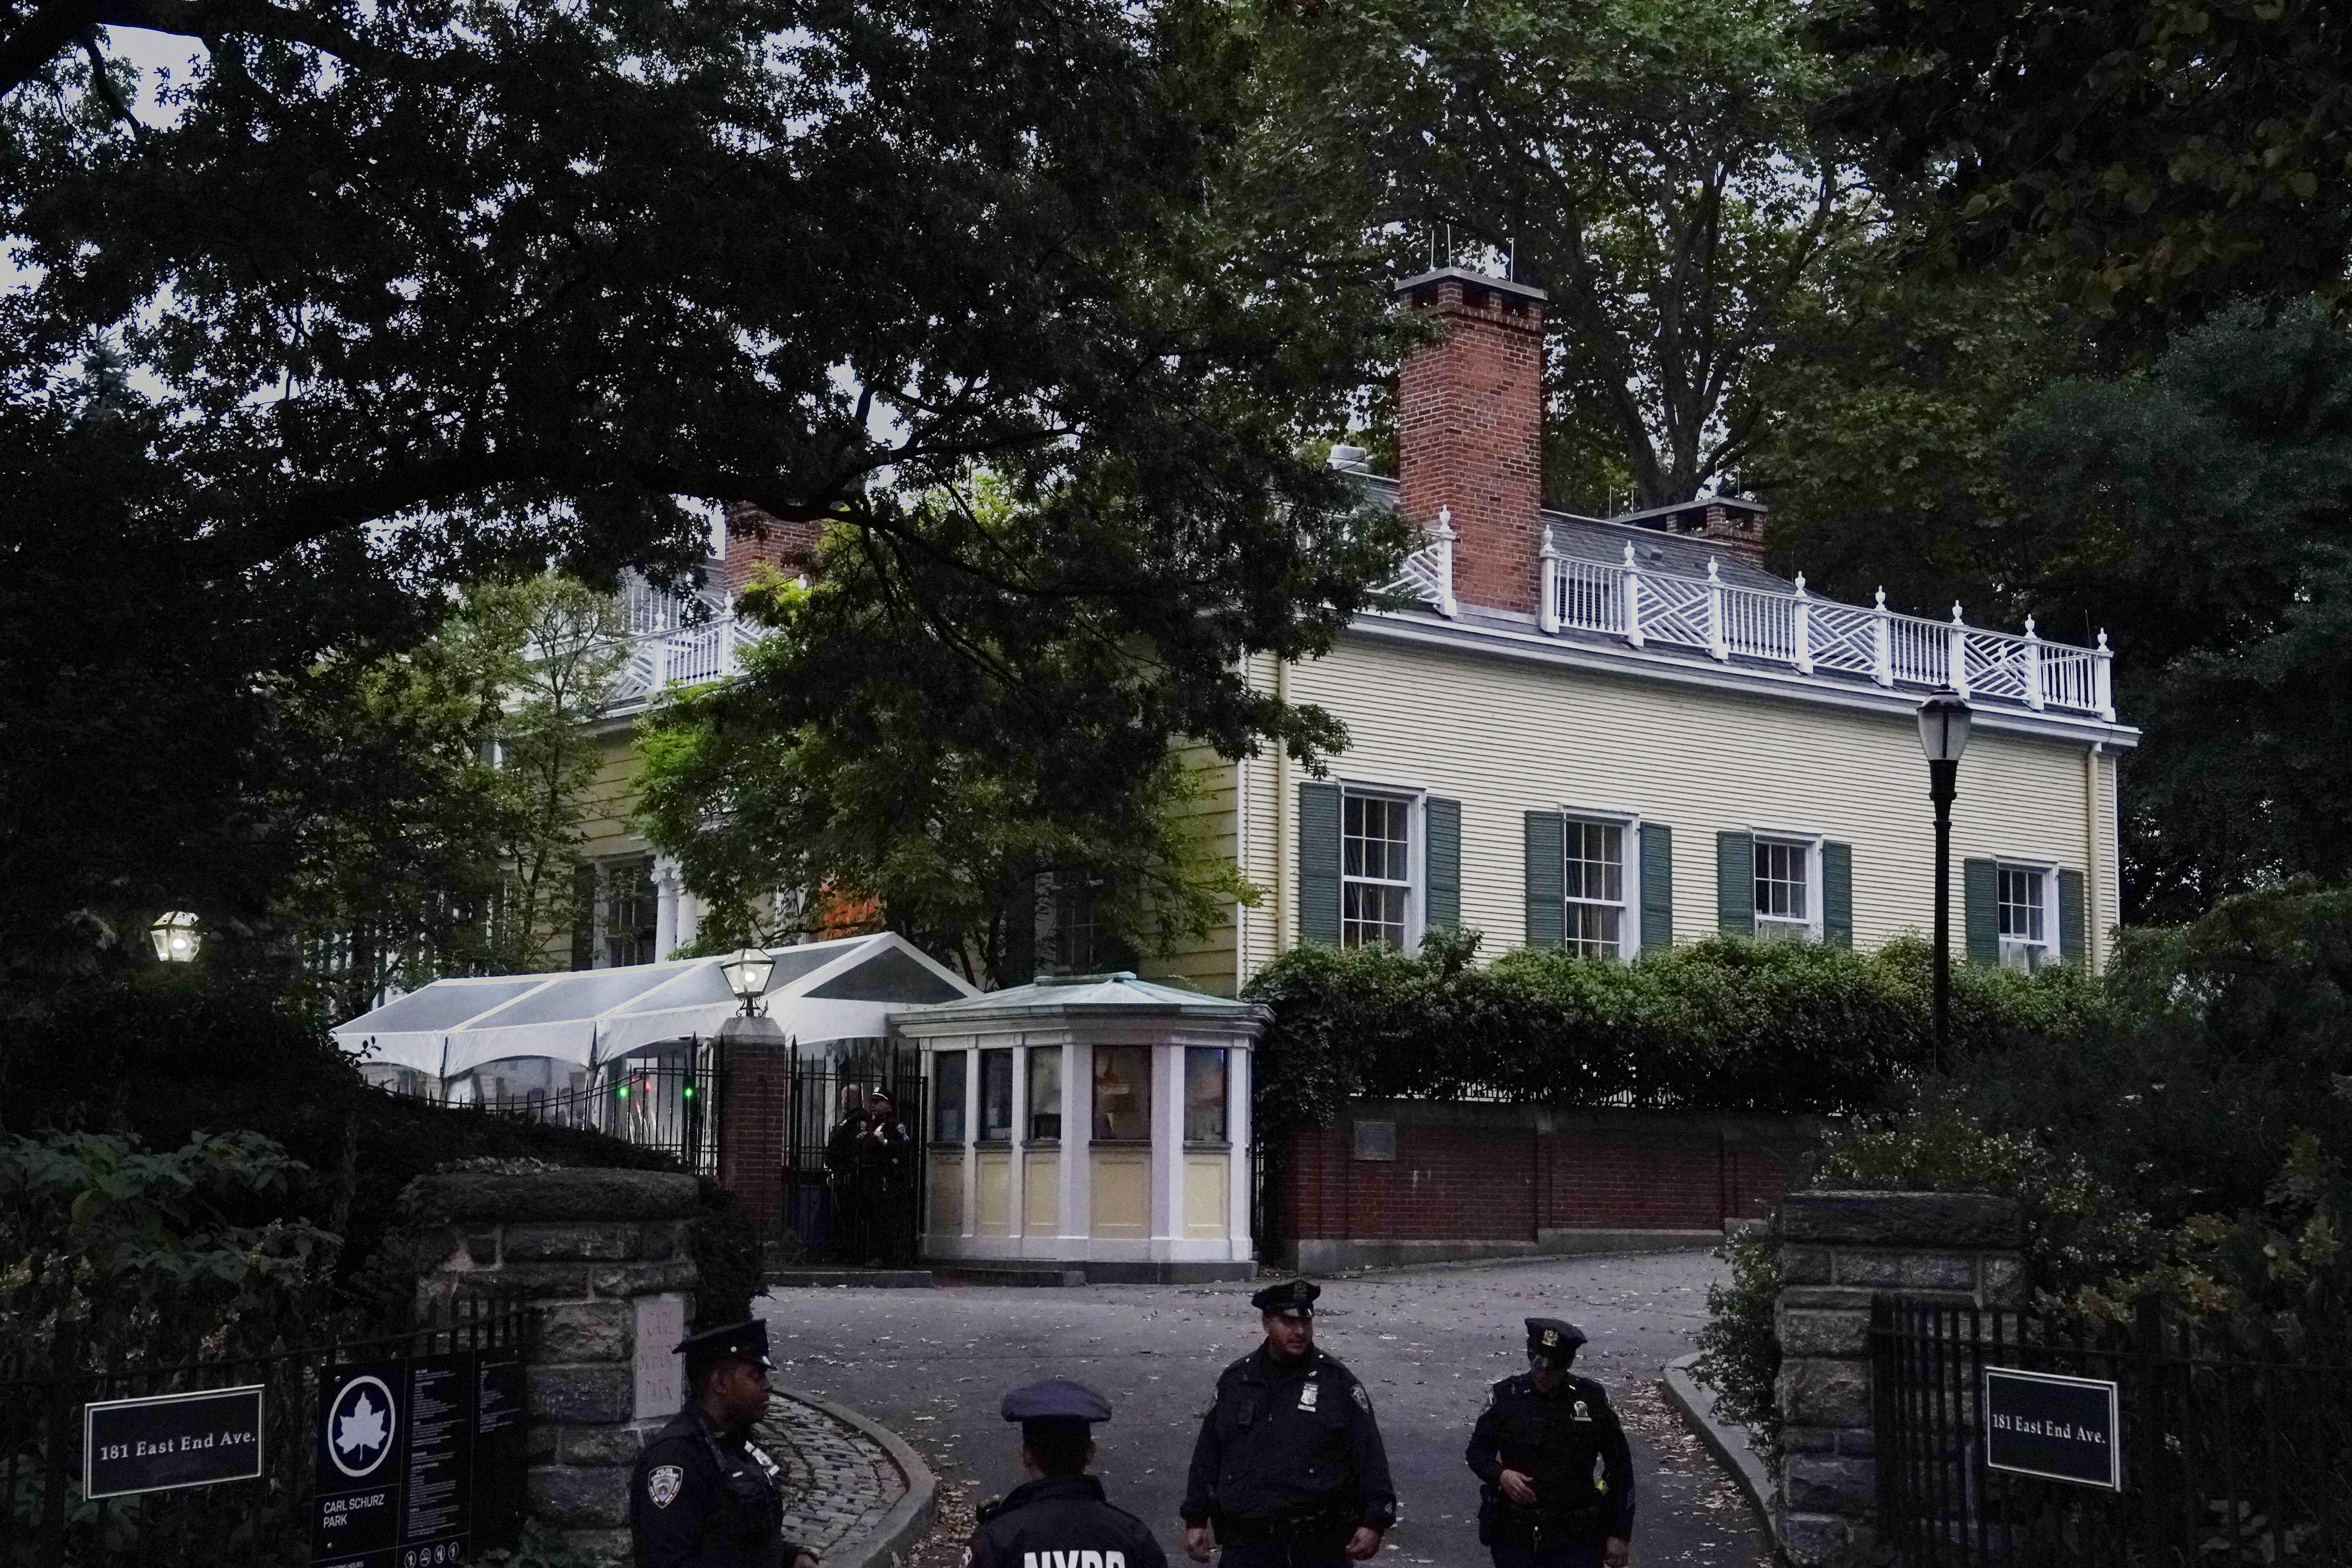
x=1428 y=573
x=1812 y=635
x=685 y=656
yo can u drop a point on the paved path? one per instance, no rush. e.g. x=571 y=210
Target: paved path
x=931 y=1364
x=838 y=1482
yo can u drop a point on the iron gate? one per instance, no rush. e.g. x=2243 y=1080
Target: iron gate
x=2226 y=1458
x=852 y=1191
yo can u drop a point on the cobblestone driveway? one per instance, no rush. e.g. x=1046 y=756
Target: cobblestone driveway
x=931 y=1364
x=838 y=1483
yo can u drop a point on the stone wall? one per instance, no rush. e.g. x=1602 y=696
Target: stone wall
x=608 y=1256
x=1836 y=1251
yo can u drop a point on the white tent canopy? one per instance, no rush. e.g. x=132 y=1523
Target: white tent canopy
x=845 y=989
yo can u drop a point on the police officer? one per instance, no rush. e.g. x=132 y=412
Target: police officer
x=704 y=1495
x=1289 y=1471
x=1558 y=1489
x=1060 y=1510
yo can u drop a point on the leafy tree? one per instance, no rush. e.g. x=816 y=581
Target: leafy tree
x=867 y=754
x=445 y=836
x=415 y=293
x=2158 y=156
x=1649 y=165
x=2203 y=514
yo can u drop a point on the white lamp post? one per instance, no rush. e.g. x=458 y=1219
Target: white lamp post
x=174 y=936
x=1944 y=721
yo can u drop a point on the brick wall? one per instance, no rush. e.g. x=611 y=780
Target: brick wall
x=1471 y=1181
x=1470 y=432
x=755 y=538
x=754 y=1110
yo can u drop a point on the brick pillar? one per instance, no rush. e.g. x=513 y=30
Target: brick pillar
x=1837 y=1250
x=755 y=1099
x=1470 y=431
x=755 y=538
x=608 y=1254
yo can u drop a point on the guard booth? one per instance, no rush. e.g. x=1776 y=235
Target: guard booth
x=1095 y=1123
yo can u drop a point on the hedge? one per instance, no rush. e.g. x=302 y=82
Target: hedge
x=1721 y=1024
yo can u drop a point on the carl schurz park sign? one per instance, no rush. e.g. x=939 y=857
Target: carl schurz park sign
x=171 y=1441
x=418 y=1461
x=2059 y=1428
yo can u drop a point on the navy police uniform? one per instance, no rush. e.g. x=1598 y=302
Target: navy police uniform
x=1060 y=1519
x=1289 y=1461
x=703 y=1498
x=1570 y=1446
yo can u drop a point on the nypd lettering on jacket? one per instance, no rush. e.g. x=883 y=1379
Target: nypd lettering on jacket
x=1062 y=1522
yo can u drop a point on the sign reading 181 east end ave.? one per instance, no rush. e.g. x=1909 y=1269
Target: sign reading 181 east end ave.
x=171 y=1440
x=2060 y=1428
x=418 y=1461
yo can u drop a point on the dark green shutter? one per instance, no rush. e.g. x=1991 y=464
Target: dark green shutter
x=1547 y=876
x=1735 y=884
x=1980 y=910
x=1318 y=862
x=2073 y=932
x=1657 y=887
x=1445 y=905
x=1837 y=895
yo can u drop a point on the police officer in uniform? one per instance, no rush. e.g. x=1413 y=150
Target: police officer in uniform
x=1060 y=1510
x=1558 y=1478
x=1289 y=1471
x=704 y=1495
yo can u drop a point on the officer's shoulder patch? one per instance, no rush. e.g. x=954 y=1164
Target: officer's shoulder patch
x=1363 y=1400
x=663 y=1483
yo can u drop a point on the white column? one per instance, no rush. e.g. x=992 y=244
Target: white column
x=1077 y=1145
x=1633 y=598
x=1237 y=1163
x=1019 y=1139
x=689 y=916
x=667 y=884
x=972 y=1142
x=1547 y=569
x=1167 y=1147
x=1882 y=644
x=1718 y=643
x=1800 y=626
x=1955 y=657
x=2103 y=678
x=2034 y=697
x=1441 y=552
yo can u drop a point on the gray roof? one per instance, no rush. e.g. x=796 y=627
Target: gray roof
x=1118 y=994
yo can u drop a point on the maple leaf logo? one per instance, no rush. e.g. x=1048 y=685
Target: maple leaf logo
x=362 y=1429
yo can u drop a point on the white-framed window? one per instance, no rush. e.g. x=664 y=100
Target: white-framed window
x=1594 y=918
x=1787 y=888
x=1377 y=854
x=2028 y=916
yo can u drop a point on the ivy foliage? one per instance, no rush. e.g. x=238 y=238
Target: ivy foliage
x=1721 y=1024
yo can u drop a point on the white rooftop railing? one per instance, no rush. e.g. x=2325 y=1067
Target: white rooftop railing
x=1643 y=605
x=685 y=656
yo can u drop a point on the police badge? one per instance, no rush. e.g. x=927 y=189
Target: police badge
x=1307 y=1396
x=662 y=1484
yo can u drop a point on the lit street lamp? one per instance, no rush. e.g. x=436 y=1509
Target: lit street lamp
x=174 y=936
x=747 y=971
x=1944 y=736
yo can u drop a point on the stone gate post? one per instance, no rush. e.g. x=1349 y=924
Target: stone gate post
x=608 y=1256
x=1836 y=1251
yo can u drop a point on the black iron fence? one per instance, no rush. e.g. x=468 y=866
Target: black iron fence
x=667 y=1101
x=853 y=1178
x=2222 y=1458
x=52 y=1520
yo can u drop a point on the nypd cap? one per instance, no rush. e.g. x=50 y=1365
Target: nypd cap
x=1555 y=1338
x=1062 y=1400
x=1291 y=1296
x=745 y=1340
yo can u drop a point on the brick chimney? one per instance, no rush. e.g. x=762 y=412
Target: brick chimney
x=755 y=538
x=1470 y=431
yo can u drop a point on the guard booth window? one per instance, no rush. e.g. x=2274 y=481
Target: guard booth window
x=1122 y=1094
x=996 y=1096
x=947 y=1096
x=1205 y=1094
x=1044 y=1094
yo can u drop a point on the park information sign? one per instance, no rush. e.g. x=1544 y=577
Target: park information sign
x=2060 y=1428
x=418 y=1461
x=171 y=1440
